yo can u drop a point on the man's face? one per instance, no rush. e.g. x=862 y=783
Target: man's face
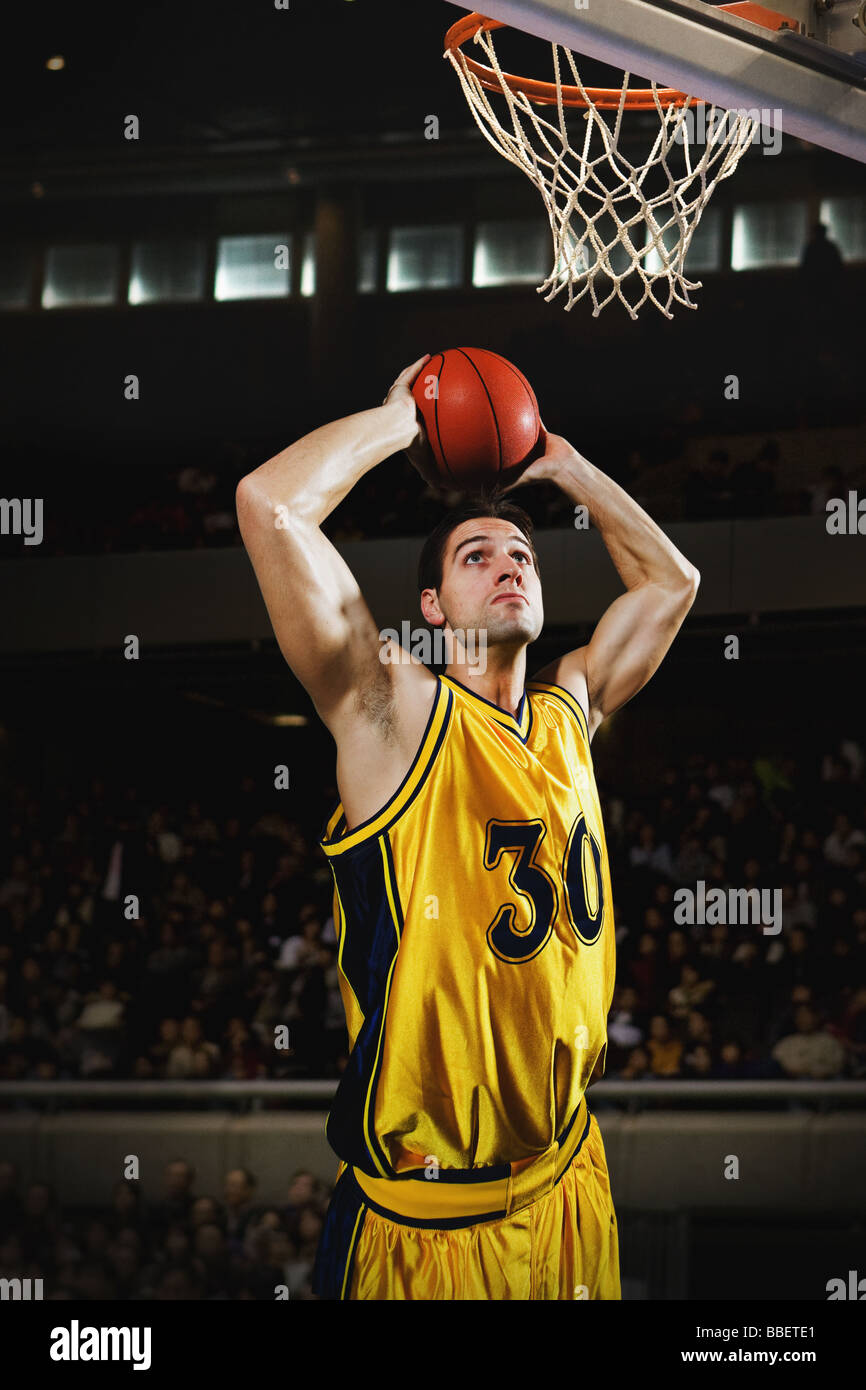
x=301 y=1189
x=203 y=1210
x=489 y=584
x=236 y=1188
x=177 y=1177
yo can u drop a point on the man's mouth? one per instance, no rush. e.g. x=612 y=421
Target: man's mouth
x=500 y=597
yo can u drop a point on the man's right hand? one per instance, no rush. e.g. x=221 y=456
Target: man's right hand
x=418 y=452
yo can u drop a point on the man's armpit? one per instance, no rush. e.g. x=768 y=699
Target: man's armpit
x=376 y=704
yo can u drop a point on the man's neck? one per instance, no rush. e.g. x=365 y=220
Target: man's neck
x=500 y=683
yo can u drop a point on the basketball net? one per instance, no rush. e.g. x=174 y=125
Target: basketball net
x=596 y=200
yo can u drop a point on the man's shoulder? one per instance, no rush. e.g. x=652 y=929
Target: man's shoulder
x=568 y=672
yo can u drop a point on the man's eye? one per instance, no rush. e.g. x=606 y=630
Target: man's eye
x=522 y=553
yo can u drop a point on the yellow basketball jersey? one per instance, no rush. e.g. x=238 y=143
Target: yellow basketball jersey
x=476 y=941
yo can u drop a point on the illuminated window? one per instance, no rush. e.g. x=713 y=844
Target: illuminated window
x=705 y=247
x=584 y=247
x=425 y=258
x=308 y=266
x=253 y=267
x=77 y=275
x=511 y=253
x=367 y=260
x=845 y=219
x=167 y=271
x=768 y=234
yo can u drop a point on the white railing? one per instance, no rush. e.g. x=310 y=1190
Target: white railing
x=242 y=1092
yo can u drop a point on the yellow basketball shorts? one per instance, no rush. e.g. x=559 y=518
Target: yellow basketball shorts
x=562 y=1244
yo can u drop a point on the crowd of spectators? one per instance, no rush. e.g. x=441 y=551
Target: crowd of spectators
x=175 y=1244
x=192 y=506
x=231 y=938
x=230 y=948
x=742 y=999
x=235 y=938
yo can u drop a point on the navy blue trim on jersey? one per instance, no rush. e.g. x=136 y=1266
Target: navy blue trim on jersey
x=568 y=1128
x=457 y=1223
x=495 y=1173
x=442 y=1223
x=335 y=1257
x=555 y=690
x=431 y=759
x=514 y=720
x=371 y=939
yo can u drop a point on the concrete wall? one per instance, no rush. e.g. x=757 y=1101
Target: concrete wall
x=186 y=598
x=658 y=1160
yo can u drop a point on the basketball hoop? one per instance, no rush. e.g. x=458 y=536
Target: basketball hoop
x=614 y=223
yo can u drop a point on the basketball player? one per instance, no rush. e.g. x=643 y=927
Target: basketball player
x=472 y=890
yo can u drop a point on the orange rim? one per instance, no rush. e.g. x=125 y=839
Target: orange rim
x=545 y=93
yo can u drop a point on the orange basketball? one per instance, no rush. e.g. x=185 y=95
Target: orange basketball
x=480 y=415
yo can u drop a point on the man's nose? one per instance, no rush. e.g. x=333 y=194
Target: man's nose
x=512 y=572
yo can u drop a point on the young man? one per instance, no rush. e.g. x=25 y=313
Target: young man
x=472 y=889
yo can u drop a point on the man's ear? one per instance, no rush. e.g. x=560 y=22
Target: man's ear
x=430 y=609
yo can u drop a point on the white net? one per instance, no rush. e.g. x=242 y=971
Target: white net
x=620 y=230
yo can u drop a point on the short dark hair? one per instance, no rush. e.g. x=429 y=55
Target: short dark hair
x=430 y=562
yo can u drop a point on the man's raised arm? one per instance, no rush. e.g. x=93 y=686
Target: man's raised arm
x=635 y=632
x=322 y=624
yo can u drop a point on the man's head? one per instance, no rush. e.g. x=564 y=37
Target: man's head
x=178 y=1178
x=302 y=1188
x=805 y=1019
x=204 y=1209
x=475 y=555
x=238 y=1187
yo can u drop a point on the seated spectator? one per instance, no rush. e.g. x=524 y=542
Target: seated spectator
x=160 y=1051
x=730 y=1065
x=841 y=841
x=103 y=1009
x=304 y=1189
x=692 y=861
x=676 y=951
x=175 y=1202
x=690 y=993
x=124 y=1263
x=181 y=1283
x=811 y=1052
x=305 y=1230
x=126 y=1205
x=299 y=951
x=244 y=1059
x=192 y=1057
x=281 y=1256
x=623 y=1029
x=698 y=1029
x=648 y=854
x=698 y=1064
x=205 y=1209
x=212 y=1255
x=644 y=971
x=851 y=1032
x=238 y=1190
x=100 y=1031
x=637 y=1066
x=665 y=1051
x=39 y=1222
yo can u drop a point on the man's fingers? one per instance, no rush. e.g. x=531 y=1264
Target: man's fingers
x=409 y=374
